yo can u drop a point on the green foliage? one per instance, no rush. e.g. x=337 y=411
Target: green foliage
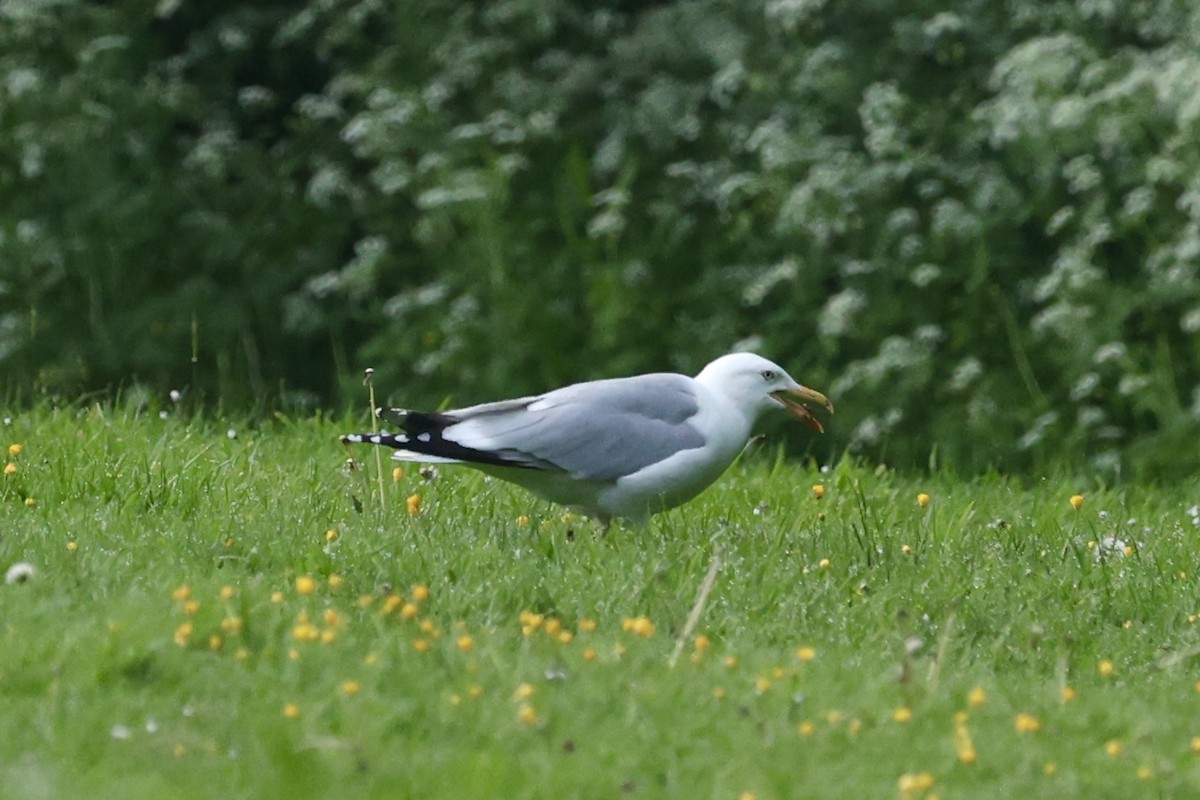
x=114 y=687
x=977 y=228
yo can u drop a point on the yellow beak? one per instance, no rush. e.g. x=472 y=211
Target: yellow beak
x=793 y=401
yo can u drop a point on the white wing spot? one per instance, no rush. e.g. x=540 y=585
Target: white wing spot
x=375 y=440
x=423 y=437
x=402 y=438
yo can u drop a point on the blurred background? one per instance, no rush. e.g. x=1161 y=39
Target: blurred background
x=975 y=225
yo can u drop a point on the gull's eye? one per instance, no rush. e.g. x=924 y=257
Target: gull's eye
x=769 y=374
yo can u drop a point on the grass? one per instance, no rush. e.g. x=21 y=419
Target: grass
x=237 y=617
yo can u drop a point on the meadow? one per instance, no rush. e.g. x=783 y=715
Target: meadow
x=198 y=608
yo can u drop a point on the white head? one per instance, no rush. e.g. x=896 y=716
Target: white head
x=754 y=384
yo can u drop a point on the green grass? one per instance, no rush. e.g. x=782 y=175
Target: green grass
x=994 y=584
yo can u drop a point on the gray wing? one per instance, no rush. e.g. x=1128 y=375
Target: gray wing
x=599 y=431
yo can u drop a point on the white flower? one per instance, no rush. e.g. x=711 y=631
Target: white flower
x=19 y=573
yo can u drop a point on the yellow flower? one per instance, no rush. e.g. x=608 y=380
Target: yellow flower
x=902 y=715
x=1067 y=694
x=553 y=626
x=589 y=654
x=398 y=474
x=351 y=688
x=420 y=593
x=639 y=626
x=524 y=691
x=413 y=503
x=1113 y=748
x=227 y=593
x=183 y=634
x=565 y=637
x=190 y=607
x=182 y=593
x=906 y=550
x=1145 y=772
x=72 y=547
x=465 y=643
x=523 y=520
x=330 y=535
x=291 y=711
x=747 y=796
x=10 y=468
x=922 y=499
x=29 y=501
x=179 y=750
x=762 y=684
x=1105 y=668
x=14 y=450
x=806 y=653
x=806 y=729
x=231 y=626
x=328 y=636
x=718 y=692
x=730 y=662
x=336 y=582
x=818 y=490
x=409 y=611
x=475 y=691
x=1050 y=768
x=823 y=563
x=390 y=603
x=912 y=784
x=1076 y=501
x=701 y=643
x=215 y=642
x=587 y=625
x=332 y=618
x=1194 y=744
x=306 y=632
x=976 y=697
x=527 y=715
x=1027 y=723
x=421 y=645
x=429 y=628
x=305 y=585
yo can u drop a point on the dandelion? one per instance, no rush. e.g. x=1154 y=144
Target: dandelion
x=553 y=626
x=181 y=593
x=731 y=662
x=183 y=634
x=231 y=626
x=215 y=642
x=638 y=626
x=332 y=618
x=1050 y=768
x=409 y=611
x=701 y=643
x=1027 y=723
x=429 y=628
x=1113 y=748
x=305 y=585
x=747 y=796
x=923 y=499
x=527 y=715
x=1194 y=744
x=421 y=645
x=823 y=563
x=1145 y=772
x=718 y=692
x=336 y=582
x=306 y=632
x=906 y=550
x=1105 y=668
x=291 y=711
x=565 y=637
x=474 y=691
x=1067 y=694
x=191 y=607
x=72 y=547
x=806 y=728
x=351 y=688
x=587 y=625
x=976 y=697
x=10 y=468
x=589 y=654
x=465 y=643
x=390 y=603
x=328 y=636
x=398 y=474
x=20 y=572
x=420 y=593
x=413 y=504
x=523 y=520
x=818 y=490
x=30 y=502
x=14 y=450
x=762 y=684
x=806 y=654
x=330 y=535
x=1076 y=501
x=902 y=715
x=227 y=593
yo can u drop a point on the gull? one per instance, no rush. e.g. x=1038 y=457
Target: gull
x=622 y=448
